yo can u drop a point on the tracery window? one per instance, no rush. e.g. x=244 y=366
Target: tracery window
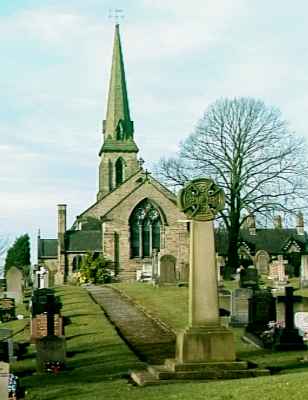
x=145 y=226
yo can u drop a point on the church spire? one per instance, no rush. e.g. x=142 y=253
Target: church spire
x=118 y=128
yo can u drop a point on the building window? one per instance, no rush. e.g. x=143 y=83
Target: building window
x=145 y=227
x=77 y=260
x=119 y=171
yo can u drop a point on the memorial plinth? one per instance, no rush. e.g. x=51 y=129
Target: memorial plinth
x=204 y=339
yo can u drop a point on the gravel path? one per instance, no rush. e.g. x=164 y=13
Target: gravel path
x=147 y=339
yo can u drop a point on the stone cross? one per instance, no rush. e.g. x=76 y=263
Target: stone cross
x=204 y=340
x=289 y=300
x=50 y=309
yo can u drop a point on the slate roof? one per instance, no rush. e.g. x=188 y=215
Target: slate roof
x=83 y=240
x=274 y=241
x=48 y=248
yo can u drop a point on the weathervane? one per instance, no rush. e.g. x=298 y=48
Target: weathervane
x=116 y=14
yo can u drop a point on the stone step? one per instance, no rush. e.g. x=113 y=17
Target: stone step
x=162 y=373
x=144 y=378
x=174 y=366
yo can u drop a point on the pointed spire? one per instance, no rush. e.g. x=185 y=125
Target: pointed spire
x=118 y=128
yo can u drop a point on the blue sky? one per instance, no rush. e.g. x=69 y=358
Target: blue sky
x=180 y=57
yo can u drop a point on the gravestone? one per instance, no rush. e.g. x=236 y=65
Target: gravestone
x=301 y=323
x=184 y=272
x=14 y=283
x=249 y=278
x=6 y=345
x=7 y=309
x=262 y=310
x=50 y=349
x=167 y=269
x=155 y=262
x=41 y=300
x=304 y=271
x=277 y=272
x=289 y=337
x=4 y=380
x=262 y=261
x=239 y=306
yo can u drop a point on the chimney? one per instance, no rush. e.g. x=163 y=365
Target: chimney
x=278 y=222
x=300 y=224
x=251 y=224
x=61 y=218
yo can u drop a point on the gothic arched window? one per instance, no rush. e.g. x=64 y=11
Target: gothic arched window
x=145 y=223
x=77 y=260
x=119 y=171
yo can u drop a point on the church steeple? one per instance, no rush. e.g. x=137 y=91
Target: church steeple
x=119 y=150
x=118 y=128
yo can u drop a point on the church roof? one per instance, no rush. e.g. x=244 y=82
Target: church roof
x=47 y=248
x=83 y=240
x=274 y=241
x=118 y=128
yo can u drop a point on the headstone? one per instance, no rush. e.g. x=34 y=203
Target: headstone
x=240 y=305
x=167 y=269
x=184 y=272
x=6 y=345
x=289 y=337
x=44 y=300
x=262 y=310
x=155 y=265
x=277 y=271
x=262 y=260
x=7 y=309
x=304 y=271
x=14 y=282
x=301 y=323
x=249 y=277
x=4 y=380
x=50 y=349
x=42 y=278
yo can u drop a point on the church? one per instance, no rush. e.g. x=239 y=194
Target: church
x=135 y=219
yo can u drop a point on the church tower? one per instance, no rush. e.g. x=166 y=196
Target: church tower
x=119 y=150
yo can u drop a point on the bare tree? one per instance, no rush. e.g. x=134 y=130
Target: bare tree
x=248 y=149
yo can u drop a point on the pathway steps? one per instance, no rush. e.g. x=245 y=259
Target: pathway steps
x=145 y=336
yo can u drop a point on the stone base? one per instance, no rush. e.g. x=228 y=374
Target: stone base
x=173 y=372
x=290 y=339
x=205 y=344
x=49 y=348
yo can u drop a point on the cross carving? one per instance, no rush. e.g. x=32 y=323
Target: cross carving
x=289 y=300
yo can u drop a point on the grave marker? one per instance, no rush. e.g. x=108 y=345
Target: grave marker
x=14 y=283
x=289 y=338
x=301 y=323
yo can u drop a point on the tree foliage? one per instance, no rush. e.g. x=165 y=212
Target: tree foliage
x=95 y=269
x=249 y=151
x=18 y=255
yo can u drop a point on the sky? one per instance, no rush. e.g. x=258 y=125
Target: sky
x=179 y=58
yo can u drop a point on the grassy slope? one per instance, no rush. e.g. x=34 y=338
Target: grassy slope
x=98 y=361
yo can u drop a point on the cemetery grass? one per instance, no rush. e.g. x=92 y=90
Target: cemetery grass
x=170 y=305
x=98 y=361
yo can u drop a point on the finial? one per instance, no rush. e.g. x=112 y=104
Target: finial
x=141 y=162
x=116 y=14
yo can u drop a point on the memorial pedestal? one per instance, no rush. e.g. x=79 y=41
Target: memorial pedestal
x=205 y=344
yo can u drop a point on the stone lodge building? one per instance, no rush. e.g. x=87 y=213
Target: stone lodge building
x=135 y=218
